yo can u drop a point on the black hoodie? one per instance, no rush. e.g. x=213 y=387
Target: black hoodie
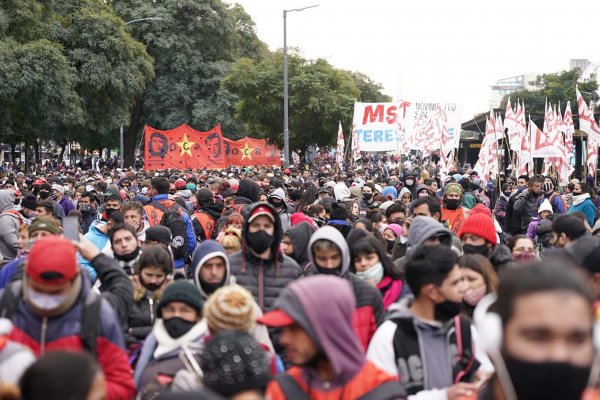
x=300 y=236
x=263 y=278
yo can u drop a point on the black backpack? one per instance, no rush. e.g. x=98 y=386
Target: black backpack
x=90 y=313
x=173 y=219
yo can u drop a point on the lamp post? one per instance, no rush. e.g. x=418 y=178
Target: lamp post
x=121 y=149
x=286 y=132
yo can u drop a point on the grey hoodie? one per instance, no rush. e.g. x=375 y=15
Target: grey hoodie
x=334 y=236
x=284 y=214
x=423 y=228
x=9 y=226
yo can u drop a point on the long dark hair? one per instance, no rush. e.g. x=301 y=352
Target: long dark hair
x=369 y=245
x=308 y=197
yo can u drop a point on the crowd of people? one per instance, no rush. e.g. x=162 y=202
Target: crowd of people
x=297 y=283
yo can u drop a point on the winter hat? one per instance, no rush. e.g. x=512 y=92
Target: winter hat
x=480 y=209
x=545 y=206
x=479 y=225
x=230 y=308
x=204 y=196
x=180 y=184
x=44 y=224
x=52 y=260
x=547 y=187
x=183 y=291
x=29 y=202
x=59 y=188
x=397 y=229
x=160 y=234
x=261 y=210
x=338 y=212
x=453 y=188
x=233 y=362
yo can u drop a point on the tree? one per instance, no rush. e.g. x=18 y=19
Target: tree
x=555 y=88
x=193 y=46
x=319 y=97
x=69 y=70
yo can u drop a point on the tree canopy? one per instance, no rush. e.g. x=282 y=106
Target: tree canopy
x=319 y=97
x=70 y=70
x=555 y=88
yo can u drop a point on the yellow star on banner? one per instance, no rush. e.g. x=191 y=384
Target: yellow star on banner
x=247 y=152
x=186 y=147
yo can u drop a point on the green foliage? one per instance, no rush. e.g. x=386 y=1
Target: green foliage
x=557 y=87
x=70 y=70
x=319 y=96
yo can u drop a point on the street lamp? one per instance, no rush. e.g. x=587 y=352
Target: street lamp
x=121 y=150
x=286 y=132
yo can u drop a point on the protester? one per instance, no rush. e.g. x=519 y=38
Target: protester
x=323 y=347
x=522 y=249
x=582 y=201
x=210 y=268
x=295 y=243
x=544 y=210
x=133 y=215
x=452 y=208
x=10 y=220
x=526 y=206
x=501 y=204
x=478 y=235
x=481 y=279
x=566 y=229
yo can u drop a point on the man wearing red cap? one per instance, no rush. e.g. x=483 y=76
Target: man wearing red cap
x=478 y=236
x=323 y=347
x=53 y=308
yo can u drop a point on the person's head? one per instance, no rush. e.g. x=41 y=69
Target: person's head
x=354 y=208
x=28 y=204
x=427 y=207
x=52 y=278
x=261 y=230
x=232 y=240
x=367 y=192
x=478 y=235
x=369 y=260
x=328 y=251
x=522 y=248
x=124 y=240
x=535 y=185
x=113 y=202
x=522 y=181
x=396 y=213
x=435 y=278
x=452 y=196
x=432 y=185
x=180 y=308
x=23 y=237
x=581 y=188
x=549 y=184
x=44 y=209
x=405 y=197
x=235 y=220
x=159 y=185
x=480 y=276
x=235 y=366
x=64 y=375
x=230 y=307
x=133 y=214
x=153 y=267
x=542 y=325
x=287 y=246
x=42 y=227
x=87 y=201
x=363 y=223
x=545 y=209
x=210 y=267
x=311 y=337
x=158 y=235
x=565 y=229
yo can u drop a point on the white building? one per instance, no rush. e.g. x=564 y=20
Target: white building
x=509 y=85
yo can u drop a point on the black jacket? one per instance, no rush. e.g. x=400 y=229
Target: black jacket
x=116 y=286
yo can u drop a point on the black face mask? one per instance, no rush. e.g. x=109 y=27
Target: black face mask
x=471 y=249
x=390 y=245
x=546 y=381
x=109 y=211
x=44 y=194
x=128 y=257
x=177 y=327
x=319 y=221
x=452 y=204
x=260 y=241
x=210 y=288
x=329 y=271
x=447 y=310
x=153 y=287
x=277 y=203
x=367 y=196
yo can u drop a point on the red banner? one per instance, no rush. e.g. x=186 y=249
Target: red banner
x=183 y=148
x=248 y=152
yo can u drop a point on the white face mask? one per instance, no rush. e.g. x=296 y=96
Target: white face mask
x=375 y=273
x=108 y=180
x=45 y=301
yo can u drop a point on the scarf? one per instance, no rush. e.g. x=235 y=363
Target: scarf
x=392 y=288
x=166 y=344
x=577 y=200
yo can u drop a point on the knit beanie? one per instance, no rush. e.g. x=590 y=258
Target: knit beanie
x=338 y=212
x=479 y=225
x=545 y=206
x=229 y=308
x=453 y=188
x=397 y=229
x=233 y=362
x=183 y=291
x=44 y=224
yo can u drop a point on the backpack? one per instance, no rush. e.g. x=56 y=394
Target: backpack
x=90 y=313
x=172 y=219
x=207 y=223
x=386 y=391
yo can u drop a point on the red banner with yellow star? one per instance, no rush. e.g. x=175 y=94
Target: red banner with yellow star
x=184 y=147
x=248 y=152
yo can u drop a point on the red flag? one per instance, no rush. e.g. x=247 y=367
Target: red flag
x=247 y=152
x=183 y=147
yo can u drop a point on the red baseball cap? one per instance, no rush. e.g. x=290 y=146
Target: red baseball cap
x=276 y=319
x=261 y=210
x=52 y=260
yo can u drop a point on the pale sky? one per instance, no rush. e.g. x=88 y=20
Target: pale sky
x=435 y=50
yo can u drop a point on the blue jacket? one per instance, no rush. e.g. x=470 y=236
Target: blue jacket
x=8 y=271
x=584 y=204
x=100 y=240
x=557 y=203
x=191 y=237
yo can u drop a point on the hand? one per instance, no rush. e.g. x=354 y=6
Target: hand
x=87 y=249
x=406 y=226
x=462 y=390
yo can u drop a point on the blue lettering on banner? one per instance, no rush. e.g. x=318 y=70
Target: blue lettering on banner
x=389 y=135
x=378 y=136
x=367 y=135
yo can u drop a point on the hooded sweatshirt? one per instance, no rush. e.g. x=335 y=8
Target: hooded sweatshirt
x=300 y=236
x=248 y=192
x=333 y=334
x=404 y=191
x=369 y=305
x=9 y=225
x=284 y=213
x=205 y=251
x=423 y=228
x=263 y=278
x=341 y=191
